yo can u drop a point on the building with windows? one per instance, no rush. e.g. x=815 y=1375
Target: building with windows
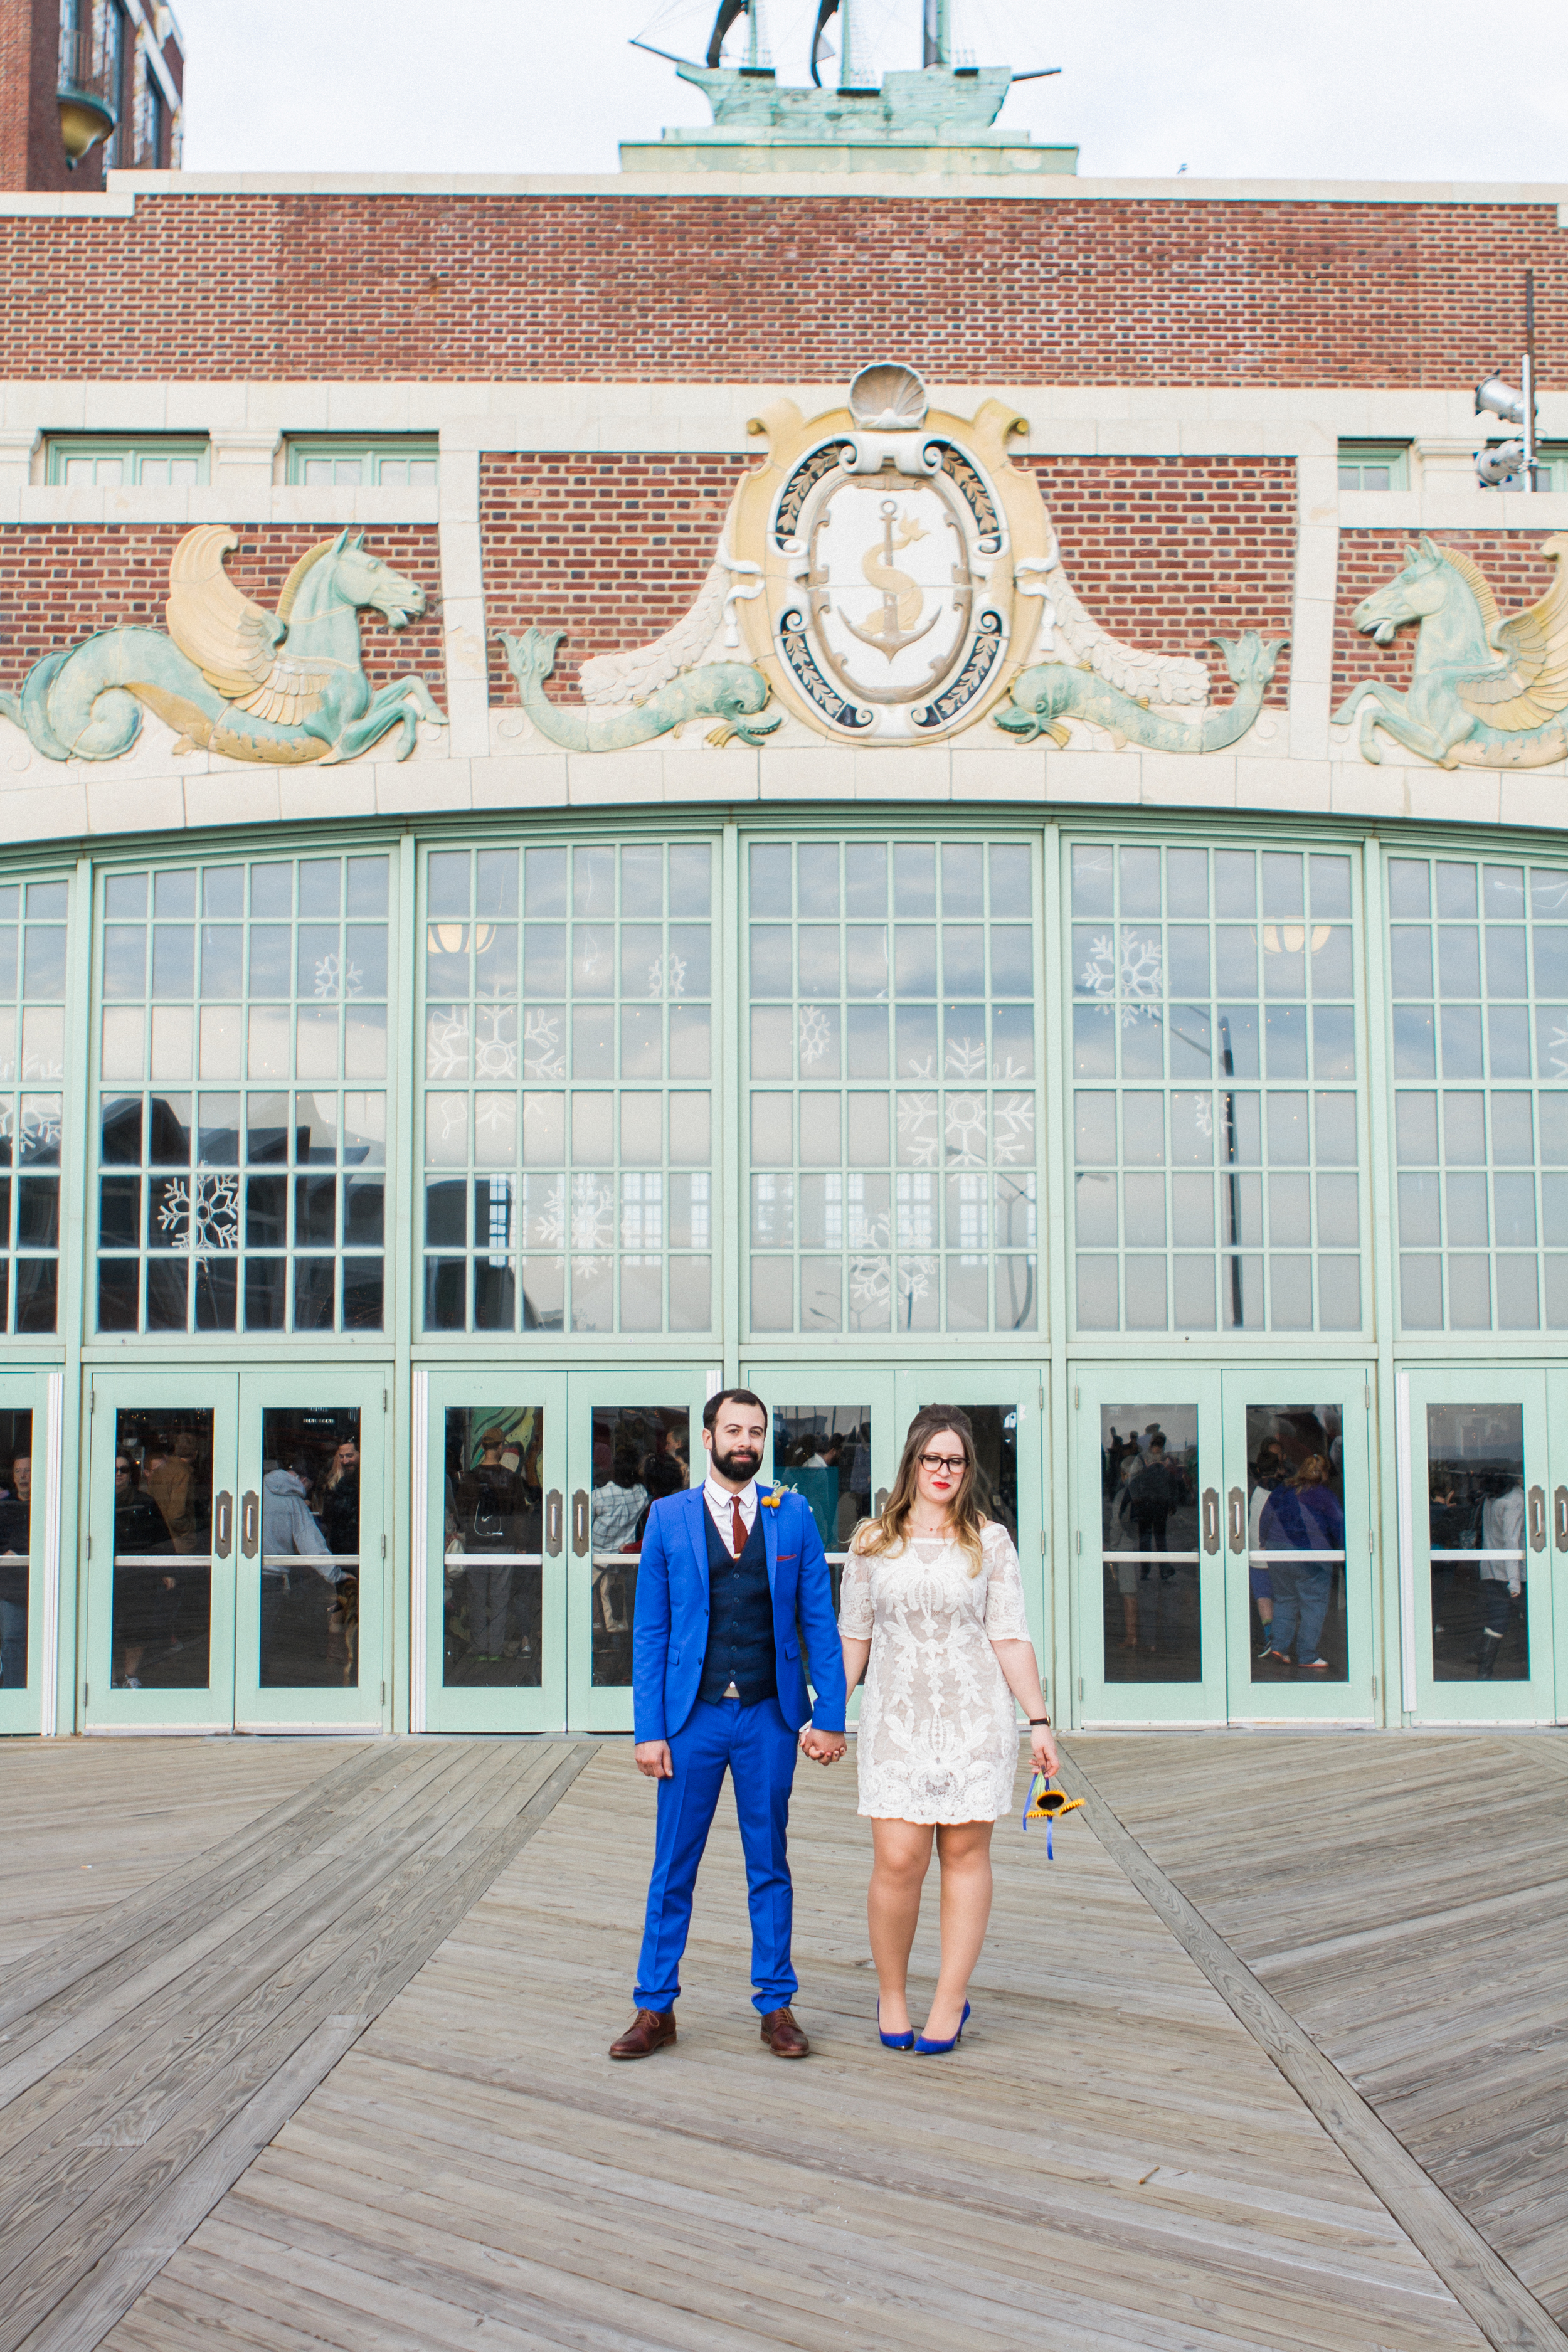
x=896 y=783
x=88 y=87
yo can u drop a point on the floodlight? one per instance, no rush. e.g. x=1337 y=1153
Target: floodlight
x=1499 y=462
x=1496 y=398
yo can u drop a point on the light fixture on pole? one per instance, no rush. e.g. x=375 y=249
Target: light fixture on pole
x=1502 y=461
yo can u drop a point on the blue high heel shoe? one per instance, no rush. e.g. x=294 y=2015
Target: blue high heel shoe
x=924 y=2048
x=905 y=2041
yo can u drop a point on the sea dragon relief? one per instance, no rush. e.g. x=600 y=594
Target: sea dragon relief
x=1485 y=692
x=1044 y=697
x=282 y=688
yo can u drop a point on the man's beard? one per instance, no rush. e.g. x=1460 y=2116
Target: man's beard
x=738 y=1466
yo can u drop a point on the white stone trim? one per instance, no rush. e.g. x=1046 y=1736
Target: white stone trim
x=833 y=187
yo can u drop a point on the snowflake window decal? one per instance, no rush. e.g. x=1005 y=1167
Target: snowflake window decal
x=542 y=1055
x=917 y=1129
x=1557 y=1046
x=446 y=1041
x=1015 y=1124
x=1136 y=977
x=495 y=1043
x=334 y=979
x=667 y=976
x=965 y=1059
x=816 y=1036
x=201 y=1214
x=964 y=1130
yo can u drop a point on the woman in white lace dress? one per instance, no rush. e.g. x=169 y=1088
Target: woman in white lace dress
x=932 y=1611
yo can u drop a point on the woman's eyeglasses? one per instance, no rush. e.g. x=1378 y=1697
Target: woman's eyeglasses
x=955 y=1463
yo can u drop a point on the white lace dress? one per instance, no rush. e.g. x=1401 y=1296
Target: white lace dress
x=938 y=1737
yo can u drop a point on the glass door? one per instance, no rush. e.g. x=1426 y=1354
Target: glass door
x=1297 y=1548
x=494 y=1601
x=162 y=1542
x=1557 y=1399
x=24 y=1437
x=1150 y=1627
x=631 y=1439
x=1006 y=1407
x=310 y=1570
x=1476 y=1573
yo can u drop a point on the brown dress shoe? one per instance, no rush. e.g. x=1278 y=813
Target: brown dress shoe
x=650 y=2030
x=784 y=2036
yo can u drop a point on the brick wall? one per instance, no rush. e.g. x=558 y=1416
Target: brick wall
x=32 y=154
x=1512 y=560
x=59 y=583
x=1169 y=552
x=612 y=547
x=776 y=290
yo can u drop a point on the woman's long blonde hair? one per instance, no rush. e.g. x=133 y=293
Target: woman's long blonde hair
x=888 y=1532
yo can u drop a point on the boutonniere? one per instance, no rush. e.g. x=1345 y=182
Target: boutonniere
x=771 y=1501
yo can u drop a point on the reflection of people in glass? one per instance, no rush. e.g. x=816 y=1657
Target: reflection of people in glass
x=1120 y=1535
x=143 y=1593
x=16 y=1538
x=1500 y=1565
x=1155 y=1491
x=486 y=1499
x=288 y=1527
x=339 y=1501
x=1269 y=1472
x=616 y=1511
x=1302 y=1515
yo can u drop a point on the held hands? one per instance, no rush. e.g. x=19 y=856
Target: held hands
x=653 y=1759
x=1043 y=1750
x=822 y=1747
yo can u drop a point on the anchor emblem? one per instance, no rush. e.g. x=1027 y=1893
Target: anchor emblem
x=893 y=627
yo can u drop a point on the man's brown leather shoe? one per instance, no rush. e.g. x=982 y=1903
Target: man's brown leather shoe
x=784 y=2036
x=650 y=2030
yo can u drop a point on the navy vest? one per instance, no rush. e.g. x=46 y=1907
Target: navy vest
x=740 y=1620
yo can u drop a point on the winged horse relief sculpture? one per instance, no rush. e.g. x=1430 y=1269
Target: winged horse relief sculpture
x=279 y=687
x=1486 y=692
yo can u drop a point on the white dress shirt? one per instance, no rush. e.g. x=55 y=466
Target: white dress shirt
x=721 y=1504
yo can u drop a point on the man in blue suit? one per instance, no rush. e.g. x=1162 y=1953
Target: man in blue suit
x=733 y=1576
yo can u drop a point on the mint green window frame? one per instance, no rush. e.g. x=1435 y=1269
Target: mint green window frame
x=567 y=1129
x=239 y=1055
x=385 y=461
x=33 y=972
x=129 y=461
x=1374 y=465
x=1214 y=1060
x=1478 y=1060
x=890 y=1055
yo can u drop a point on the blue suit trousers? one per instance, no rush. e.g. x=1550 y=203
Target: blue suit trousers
x=758 y=1750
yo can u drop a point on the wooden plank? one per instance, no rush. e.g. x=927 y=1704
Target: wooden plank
x=1501 y=2306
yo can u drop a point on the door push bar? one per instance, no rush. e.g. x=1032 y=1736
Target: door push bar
x=1237 y=1503
x=1537 y=1519
x=1560 y=1512
x=1211 y=1519
x=580 y=1523
x=553 y=1523
x=223 y=1525
x=250 y=1524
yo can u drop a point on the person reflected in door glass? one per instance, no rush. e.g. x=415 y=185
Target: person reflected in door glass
x=1500 y=1568
x=338 y=1510
x=1302 y=1518
x=1156 y=1489
x=617 y=1509
x=1268 y=1472
x=15 y=1537
x=487 y=1500
x=1121 y=1536
x=144 y=1594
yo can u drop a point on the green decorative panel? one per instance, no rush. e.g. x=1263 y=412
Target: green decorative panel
x=32 y=1067
x=1478 y=964
x=116 y=460
x=891 y=1083
x=404 y=461
x=567 y=1126
x=241 y=1061
x=1214 y=1110
x=1375 y=465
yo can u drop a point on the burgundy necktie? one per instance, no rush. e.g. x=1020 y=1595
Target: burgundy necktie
x=738 y=1531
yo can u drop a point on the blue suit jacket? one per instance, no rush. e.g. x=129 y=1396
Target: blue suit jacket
x=669 y=1635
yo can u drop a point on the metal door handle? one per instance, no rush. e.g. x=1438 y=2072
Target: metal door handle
x=1237 y=1505
x=250 y=1524
x=1537 y=1519
x=553 y=1523
x=1211 y=1519
x=1559 y=1506
x=223 y=1525
x=580 y=1522
x=880 y=1504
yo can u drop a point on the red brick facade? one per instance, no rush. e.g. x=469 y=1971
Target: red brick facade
x=1170 y=552
x=1511 y=560
x=767 y=289
x=612 y=547
x=59 y=583
x=32 y=152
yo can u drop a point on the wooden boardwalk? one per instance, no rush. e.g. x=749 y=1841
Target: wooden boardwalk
x=337 y=2076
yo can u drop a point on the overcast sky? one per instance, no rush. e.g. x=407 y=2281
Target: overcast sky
x=1276 y=88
